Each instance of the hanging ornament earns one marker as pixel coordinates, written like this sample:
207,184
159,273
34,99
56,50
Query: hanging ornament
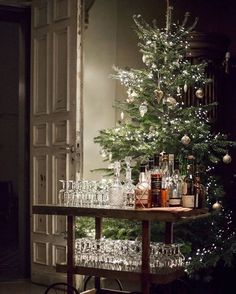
131,96
128,100
178,90
217,206
171,102
143,108
227,158
199,93
146,59
103,153
185,88
122,115
185,140
158,94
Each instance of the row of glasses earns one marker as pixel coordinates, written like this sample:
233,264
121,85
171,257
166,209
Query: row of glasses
85,193
126,255
91,193
122,255
165,257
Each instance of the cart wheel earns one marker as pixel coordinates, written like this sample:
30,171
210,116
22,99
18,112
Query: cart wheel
60,288
87,279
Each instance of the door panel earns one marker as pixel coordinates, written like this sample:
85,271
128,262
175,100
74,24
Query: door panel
55,124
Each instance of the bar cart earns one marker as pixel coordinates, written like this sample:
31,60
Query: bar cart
168,215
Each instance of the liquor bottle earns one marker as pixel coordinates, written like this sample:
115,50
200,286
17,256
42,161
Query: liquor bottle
175,198
155,187
142,195
116,190
129,187
199,192
188,197
150,169
165,184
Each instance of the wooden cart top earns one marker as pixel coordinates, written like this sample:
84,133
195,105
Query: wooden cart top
165,214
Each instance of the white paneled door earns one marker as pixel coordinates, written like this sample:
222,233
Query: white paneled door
55,124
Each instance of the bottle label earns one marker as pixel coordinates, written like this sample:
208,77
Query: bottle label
142,199
188,201
155,190
175,202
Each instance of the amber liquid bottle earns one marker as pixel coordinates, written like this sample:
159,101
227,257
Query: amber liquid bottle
165,176
155,189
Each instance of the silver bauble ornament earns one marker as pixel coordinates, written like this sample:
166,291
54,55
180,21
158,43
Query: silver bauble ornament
185,140
143,109
227,158
199,93
217,206
158,95
185,88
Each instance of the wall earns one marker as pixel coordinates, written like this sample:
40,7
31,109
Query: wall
99,91
109,40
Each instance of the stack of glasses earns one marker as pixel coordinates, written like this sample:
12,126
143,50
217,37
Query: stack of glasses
126,255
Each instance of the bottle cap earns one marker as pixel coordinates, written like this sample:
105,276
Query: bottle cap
142,167
156,159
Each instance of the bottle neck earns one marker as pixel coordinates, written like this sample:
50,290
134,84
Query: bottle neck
128,175
142,177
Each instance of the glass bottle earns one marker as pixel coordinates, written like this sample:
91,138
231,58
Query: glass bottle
176,181
199,191
165,185
155,189
142,195
116,189
129,187
188,198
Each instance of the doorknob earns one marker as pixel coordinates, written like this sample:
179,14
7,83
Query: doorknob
68,148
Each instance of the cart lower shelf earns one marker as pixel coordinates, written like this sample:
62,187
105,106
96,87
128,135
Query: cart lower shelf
159,278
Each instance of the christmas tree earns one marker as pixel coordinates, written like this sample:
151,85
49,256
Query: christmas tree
154,118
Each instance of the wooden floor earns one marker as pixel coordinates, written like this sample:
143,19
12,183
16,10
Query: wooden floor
20,287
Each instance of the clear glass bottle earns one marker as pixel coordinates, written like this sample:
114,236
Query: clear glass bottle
142,195
129,187
175,198
116,188
188,198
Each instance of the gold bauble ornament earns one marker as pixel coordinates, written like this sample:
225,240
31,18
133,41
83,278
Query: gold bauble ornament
185,140
227,158
199,93
217,206
171,102
158,95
